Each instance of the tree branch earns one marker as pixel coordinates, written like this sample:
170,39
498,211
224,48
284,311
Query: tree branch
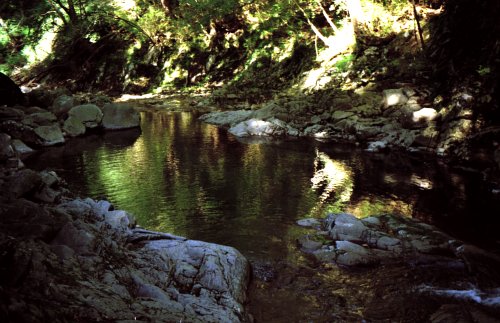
316,31
59,14
415,13
327,17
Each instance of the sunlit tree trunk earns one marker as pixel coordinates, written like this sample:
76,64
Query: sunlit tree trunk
356,14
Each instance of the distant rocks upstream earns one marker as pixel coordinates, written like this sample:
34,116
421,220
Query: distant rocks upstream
52,116
379,120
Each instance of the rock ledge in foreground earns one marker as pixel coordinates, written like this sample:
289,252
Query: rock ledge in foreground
81,261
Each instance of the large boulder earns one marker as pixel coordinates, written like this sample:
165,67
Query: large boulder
62,104
73,127
88,114
94,264
120,116
44,97
10,93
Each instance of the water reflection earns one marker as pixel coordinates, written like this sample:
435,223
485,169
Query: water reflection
333,181
196,180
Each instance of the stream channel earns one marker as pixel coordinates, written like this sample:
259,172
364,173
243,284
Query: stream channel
192,179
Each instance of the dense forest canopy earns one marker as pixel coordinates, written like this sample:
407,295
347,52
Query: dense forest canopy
147,45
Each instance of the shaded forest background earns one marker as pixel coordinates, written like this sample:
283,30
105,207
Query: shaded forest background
151,45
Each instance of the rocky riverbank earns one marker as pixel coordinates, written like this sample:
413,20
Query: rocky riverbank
415,267
51,117
69,259
378,119
66,259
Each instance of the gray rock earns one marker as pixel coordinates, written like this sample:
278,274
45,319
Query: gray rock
266,112
341,115
376,146
74,127
8,113
22,182
372,220
102,207
120,116
40,119
6,150
49,178
308,244
20,147
255,127
50,135
222,273
315,119
345,226
391,244
414,118
227,118
20,131
393,97
81,241
81,258
88,114
309,222
425,115
351,254
325,254
62,104
385,239
317,131
47,195
118,220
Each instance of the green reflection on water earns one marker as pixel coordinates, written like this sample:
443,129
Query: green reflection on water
196,180
192,179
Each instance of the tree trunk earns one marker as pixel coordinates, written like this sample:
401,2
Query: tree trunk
356,14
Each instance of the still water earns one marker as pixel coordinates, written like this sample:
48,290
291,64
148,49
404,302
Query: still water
192,179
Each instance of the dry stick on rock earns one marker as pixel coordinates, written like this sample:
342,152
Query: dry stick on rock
419,28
